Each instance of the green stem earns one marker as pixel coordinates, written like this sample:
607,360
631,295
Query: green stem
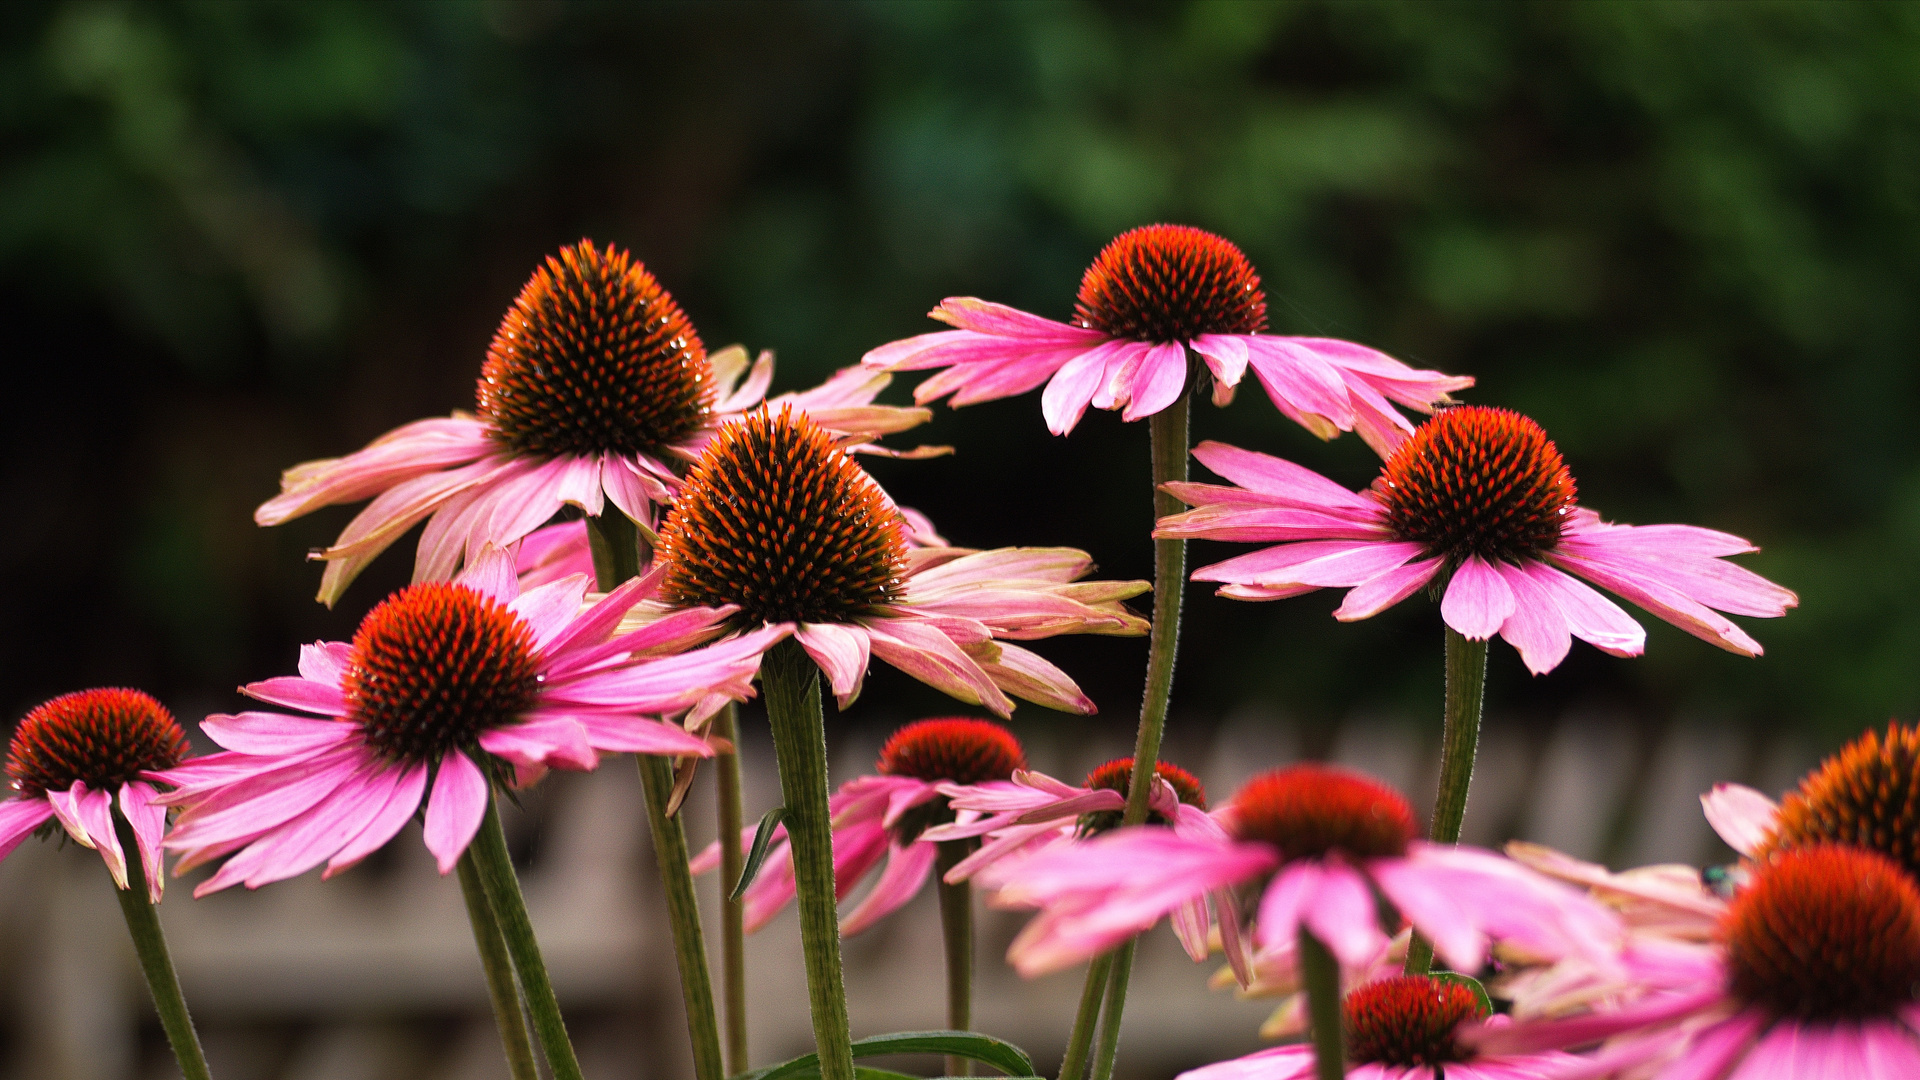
1168,429
497,879
791,683
683,911
501,988
1466,685
616,548
733,932
1079,1044
1116,1006
1320,974
150,942
956,929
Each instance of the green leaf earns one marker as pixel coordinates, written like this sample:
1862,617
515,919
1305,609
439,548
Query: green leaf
762,840
985,1049
1467,981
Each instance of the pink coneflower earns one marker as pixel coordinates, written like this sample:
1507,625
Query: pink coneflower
1480,499
1152,296
1866,795
776,520
1324,841
1815,976
448,682
595,383
883,818
1401,1028
75,757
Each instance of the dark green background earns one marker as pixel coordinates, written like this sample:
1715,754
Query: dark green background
1684,237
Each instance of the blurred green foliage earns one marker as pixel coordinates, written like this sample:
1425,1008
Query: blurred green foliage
1684,236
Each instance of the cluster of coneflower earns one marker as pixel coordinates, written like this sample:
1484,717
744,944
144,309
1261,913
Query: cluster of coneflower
628,536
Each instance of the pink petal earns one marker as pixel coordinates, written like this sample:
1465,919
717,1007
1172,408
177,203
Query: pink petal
1477,600
631,490
274,734
454,810
1369,598
558,741
1663,600
930,656
907,870
402,799
841,651
985,317
402,454
1030,677
392,513
1274,1063
299,845
754,389
579,485
326,662
548,609
1429,906
1743,817
94,809
1225,354
19,818
1536,628
1284,904
1341,914
1275,565
1065,399
1269,475
260,802
1591,617
639,735
1191,921
1300,384
327,699
1162,375
149,821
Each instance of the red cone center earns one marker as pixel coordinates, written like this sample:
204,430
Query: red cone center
1166,283
1409,1020
1479,481
103,738
1826,933
959,749
1310,810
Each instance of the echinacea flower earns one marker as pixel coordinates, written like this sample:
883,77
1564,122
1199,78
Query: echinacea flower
76,758
1401,1028
883,818
595,383
1154,295
1814,975
1480,499
777,521
441,681
1867,795
1324,841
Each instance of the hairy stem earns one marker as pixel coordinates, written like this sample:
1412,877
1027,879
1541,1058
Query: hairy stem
616,548
683,914
733,932
502,990
502,886
1116,1007
1320,973
956,929
792,686
150,942
1080,1043
1466,684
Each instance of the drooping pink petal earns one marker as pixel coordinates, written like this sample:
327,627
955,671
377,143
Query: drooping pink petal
1191,922
295,692
1073,387
1433,911
454,810
274,734
393,512
1284,903
1274,566
94,810
1743,817
906,871
1225,356
631,488
749,393
402,454
986,317
1370,598
1591,617
1162,375
149,822
402,799
578,484
1661,599
19,818
640,735
1713,582
1295,484
555,741
1031,677
931,656
1301,385
1654,1009
276,794
841,652
1341,913
1536,628
304,842
1477,600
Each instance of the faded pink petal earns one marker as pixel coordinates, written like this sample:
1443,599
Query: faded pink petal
401,454
1030,677
454,810
930,656
1477,600
841,652
1743,817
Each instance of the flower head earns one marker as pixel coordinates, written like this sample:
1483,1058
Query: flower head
889,821
1162,304
74,757
779,524
595,386
1403,1027
1866,795
1815,974
1480,500
448,682
1323,841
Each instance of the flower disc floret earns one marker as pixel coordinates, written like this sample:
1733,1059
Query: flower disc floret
1117,775
595,357
1168,283
957,749
1827,932
1409,1020
103,738
1867,795
1476,480
777,519
433,666
1311,810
